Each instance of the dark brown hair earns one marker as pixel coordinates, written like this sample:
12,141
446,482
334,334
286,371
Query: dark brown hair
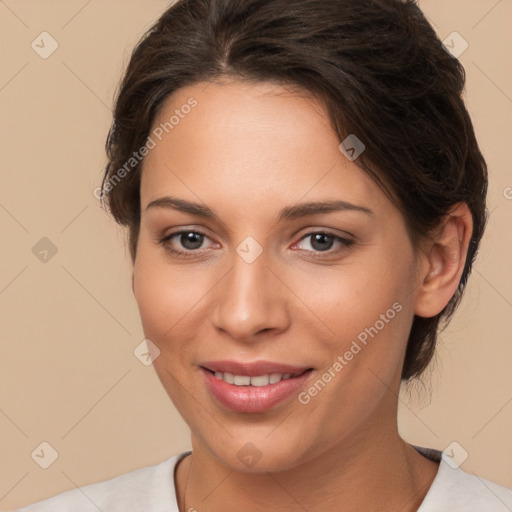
378,67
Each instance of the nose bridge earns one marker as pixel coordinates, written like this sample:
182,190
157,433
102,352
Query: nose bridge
247,302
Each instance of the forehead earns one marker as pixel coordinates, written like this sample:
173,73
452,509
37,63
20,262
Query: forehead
249,143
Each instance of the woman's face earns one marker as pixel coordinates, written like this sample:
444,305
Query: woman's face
261,286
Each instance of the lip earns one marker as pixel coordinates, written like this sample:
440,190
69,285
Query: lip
253,399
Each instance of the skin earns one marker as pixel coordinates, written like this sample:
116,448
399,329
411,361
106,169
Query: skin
246,151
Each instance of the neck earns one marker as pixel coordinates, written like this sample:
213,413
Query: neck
373,470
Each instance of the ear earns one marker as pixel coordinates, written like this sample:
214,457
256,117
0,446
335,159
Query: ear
442,261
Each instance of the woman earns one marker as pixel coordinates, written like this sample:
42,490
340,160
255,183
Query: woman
247,135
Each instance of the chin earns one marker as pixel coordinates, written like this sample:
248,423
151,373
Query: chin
258,454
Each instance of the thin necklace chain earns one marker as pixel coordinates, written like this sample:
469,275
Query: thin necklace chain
186,483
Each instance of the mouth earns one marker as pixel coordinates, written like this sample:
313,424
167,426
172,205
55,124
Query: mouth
253,387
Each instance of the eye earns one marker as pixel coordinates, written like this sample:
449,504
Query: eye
322,242
188,241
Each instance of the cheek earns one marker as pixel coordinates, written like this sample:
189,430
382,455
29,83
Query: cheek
164,294
348,299
368,314
365,311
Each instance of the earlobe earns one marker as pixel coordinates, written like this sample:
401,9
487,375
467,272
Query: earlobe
443,262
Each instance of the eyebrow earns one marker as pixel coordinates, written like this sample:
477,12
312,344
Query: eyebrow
287,213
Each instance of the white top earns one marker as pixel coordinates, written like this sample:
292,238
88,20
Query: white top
151,489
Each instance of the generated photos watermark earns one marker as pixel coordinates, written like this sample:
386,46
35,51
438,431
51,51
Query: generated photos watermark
355,348
156,136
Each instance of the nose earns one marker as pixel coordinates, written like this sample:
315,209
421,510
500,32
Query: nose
250,301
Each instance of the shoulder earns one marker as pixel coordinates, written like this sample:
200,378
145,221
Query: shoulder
455,490
150,488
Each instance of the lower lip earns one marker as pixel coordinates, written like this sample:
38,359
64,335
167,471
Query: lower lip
252,399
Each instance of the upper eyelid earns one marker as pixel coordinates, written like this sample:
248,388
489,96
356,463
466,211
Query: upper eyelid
344,240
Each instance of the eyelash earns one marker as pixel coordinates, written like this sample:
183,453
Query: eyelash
345,243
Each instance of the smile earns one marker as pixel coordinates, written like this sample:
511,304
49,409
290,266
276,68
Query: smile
257,380
253,387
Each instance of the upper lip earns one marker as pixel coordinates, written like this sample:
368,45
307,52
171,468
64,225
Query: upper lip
252,369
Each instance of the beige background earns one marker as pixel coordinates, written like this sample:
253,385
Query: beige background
68,375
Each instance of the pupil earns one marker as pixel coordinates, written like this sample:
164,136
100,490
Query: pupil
321,237
191,240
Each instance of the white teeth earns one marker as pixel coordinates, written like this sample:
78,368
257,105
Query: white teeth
275,377
257,381
241,380
260,380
